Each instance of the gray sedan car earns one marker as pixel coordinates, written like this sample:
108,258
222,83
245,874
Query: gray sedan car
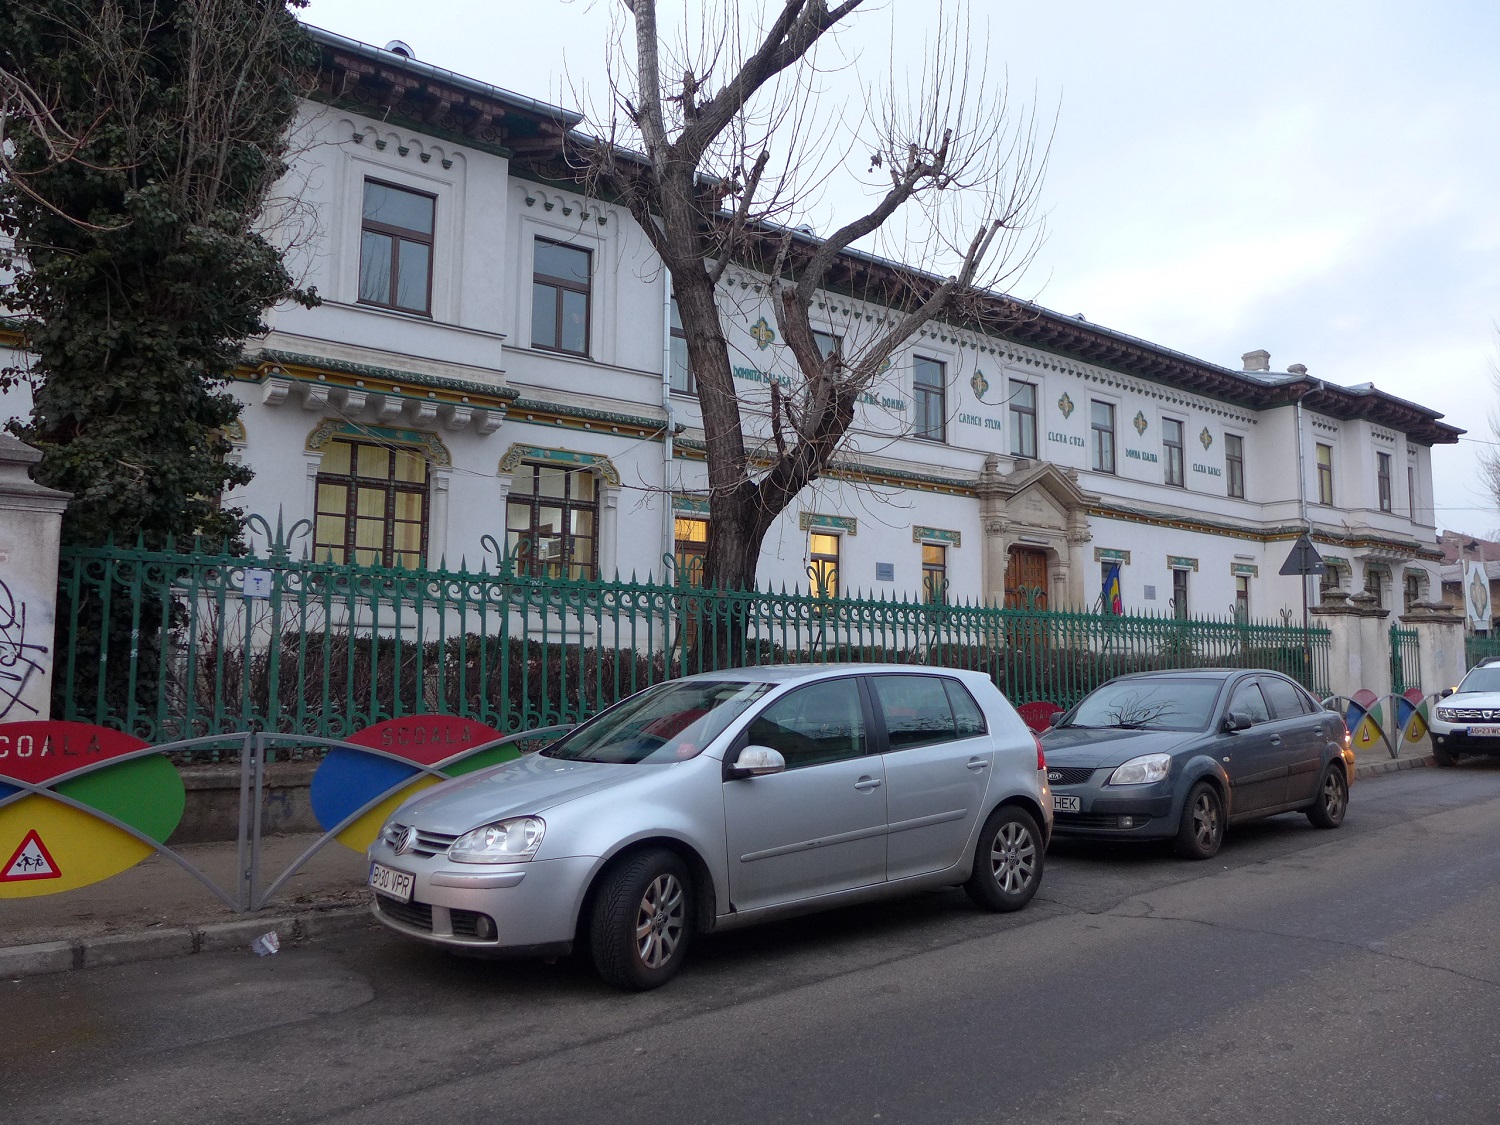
1179,755
721,800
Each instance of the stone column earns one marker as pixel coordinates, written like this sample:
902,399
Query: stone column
1345,663
30,526
1360,645
1440,644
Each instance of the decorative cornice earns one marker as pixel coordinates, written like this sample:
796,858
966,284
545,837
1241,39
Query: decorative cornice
546,413
694,449
271,363
330,428
572,458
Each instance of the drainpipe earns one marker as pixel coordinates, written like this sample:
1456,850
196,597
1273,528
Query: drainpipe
668,527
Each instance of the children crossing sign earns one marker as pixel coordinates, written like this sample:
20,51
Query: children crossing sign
31,860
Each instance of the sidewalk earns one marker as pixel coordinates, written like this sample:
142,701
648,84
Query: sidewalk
158,910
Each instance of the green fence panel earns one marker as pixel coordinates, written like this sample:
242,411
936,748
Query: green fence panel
175,644
1405,669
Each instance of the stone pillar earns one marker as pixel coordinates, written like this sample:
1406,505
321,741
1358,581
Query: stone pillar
1440,644
1360,647
30,527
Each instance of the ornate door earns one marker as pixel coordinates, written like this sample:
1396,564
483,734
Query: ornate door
1026,579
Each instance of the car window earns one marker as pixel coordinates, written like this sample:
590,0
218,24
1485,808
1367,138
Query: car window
966,713
1484,678
670,722
823,722
1248,700
1148,704
916,710
1286,701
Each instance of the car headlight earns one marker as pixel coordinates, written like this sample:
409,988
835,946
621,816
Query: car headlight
1444,713
1142,771
506,841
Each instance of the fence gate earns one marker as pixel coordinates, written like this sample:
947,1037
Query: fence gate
1405,671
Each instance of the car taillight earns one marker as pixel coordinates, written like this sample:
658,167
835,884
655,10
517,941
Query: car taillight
1041,758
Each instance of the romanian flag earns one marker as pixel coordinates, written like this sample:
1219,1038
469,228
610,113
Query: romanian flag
1112,600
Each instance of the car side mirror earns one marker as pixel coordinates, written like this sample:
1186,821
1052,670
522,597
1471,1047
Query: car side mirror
757,761
1055,718
1447,691
1236,721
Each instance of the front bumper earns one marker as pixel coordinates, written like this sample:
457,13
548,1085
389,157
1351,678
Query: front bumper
1117,812
1458,737
532,907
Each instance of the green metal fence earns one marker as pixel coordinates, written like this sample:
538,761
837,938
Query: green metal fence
175,644
1405,669
1479,646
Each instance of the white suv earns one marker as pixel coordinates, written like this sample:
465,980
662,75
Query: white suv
1467,719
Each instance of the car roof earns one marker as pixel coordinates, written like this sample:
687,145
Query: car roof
789,673
1197,673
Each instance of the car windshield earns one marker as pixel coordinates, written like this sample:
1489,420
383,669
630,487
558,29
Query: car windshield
1482,679
668,723
1148,705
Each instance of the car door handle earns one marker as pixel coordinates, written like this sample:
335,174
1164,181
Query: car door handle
867,783
977,763
1276,740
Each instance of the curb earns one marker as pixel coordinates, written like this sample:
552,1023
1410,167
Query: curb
1375,769
118,949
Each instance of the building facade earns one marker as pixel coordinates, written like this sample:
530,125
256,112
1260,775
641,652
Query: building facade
496,369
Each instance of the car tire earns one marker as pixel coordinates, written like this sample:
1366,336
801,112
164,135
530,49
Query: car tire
1008,861
642,920
1201,829
1442,755
1327,811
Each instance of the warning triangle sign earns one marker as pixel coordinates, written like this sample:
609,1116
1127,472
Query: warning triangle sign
31,860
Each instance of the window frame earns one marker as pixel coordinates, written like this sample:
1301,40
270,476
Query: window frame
527,565
397,235
1174,453
1023,420
1102,438
1411,492
1374,585
1242,598
922,395
352,482
1383,482
676,332
1411,589
564,285
1180,594
835,347
1325,472
690,555
821,566
1234,465
935,575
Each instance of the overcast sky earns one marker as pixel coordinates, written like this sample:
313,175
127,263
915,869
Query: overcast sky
1319,178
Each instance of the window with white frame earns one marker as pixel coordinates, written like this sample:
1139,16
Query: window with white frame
930,399
1171,448
560,295
395,248
1022,419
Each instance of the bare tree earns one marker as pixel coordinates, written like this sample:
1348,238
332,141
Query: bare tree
718,146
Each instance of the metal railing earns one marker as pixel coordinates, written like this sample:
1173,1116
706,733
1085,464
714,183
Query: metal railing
1406,669
178,644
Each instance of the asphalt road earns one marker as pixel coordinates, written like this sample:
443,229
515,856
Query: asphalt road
1351,976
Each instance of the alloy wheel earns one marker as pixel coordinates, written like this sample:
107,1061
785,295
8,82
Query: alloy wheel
660,920
1333,797
1013,857
1205,820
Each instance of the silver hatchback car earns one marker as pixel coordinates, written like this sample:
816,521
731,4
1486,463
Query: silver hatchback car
721,800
